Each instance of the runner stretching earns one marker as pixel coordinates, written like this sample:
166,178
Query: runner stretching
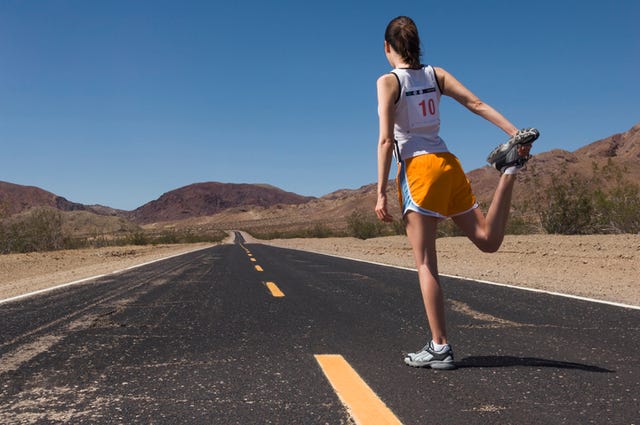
431,183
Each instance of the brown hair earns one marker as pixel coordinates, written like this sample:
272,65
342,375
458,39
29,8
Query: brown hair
402,35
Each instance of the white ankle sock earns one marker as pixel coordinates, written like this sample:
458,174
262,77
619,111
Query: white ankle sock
511,170
438,347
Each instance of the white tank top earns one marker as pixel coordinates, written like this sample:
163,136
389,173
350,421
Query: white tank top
417,119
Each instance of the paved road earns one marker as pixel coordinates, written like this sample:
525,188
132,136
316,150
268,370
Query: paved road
201,339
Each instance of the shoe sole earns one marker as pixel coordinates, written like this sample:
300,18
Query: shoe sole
439,365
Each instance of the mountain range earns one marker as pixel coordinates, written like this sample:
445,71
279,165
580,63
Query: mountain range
209,205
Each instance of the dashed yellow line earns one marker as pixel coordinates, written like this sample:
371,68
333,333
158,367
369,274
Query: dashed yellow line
275,291
273,288
364,406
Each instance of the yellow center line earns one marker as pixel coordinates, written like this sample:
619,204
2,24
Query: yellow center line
260,269
275,291
253,259
364,406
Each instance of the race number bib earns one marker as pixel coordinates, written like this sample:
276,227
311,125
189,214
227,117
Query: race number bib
423,107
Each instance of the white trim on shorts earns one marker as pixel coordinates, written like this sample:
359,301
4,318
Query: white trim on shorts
416,208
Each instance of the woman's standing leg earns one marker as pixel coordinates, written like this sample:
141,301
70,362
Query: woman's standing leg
421,231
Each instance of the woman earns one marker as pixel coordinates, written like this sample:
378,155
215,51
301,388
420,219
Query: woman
431,182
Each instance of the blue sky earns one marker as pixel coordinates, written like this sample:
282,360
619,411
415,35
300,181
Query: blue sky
116,102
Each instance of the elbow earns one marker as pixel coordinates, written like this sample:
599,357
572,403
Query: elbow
385,147
386,143
476,106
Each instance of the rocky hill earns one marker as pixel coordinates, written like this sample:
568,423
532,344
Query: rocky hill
205,199
15,198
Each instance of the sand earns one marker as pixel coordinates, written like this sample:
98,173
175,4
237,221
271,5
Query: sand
604,267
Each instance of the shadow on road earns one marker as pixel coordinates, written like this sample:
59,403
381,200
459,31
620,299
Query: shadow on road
510,361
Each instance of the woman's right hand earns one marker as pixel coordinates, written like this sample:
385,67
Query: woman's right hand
381,209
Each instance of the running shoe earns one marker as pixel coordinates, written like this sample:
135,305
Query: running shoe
429,357
506,155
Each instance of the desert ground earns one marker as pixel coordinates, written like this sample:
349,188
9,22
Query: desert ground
604,267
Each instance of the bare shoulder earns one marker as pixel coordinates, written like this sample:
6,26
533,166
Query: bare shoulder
441,75
448,83
387,80
439,70
388,88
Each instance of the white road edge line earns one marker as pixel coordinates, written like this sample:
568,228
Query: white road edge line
86,279
488,282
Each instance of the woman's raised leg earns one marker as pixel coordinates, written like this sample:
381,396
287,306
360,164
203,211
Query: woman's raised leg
487,232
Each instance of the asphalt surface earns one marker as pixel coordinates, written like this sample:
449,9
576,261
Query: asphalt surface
200,339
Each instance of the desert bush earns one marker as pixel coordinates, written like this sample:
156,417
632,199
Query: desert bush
38,230
187,236
363,226
320,231
619,210
169,237
42,230
315,231
3,238
520,225
577,204
138,238
398,227
569,209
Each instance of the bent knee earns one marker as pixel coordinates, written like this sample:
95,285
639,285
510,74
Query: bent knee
487,246
489,249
